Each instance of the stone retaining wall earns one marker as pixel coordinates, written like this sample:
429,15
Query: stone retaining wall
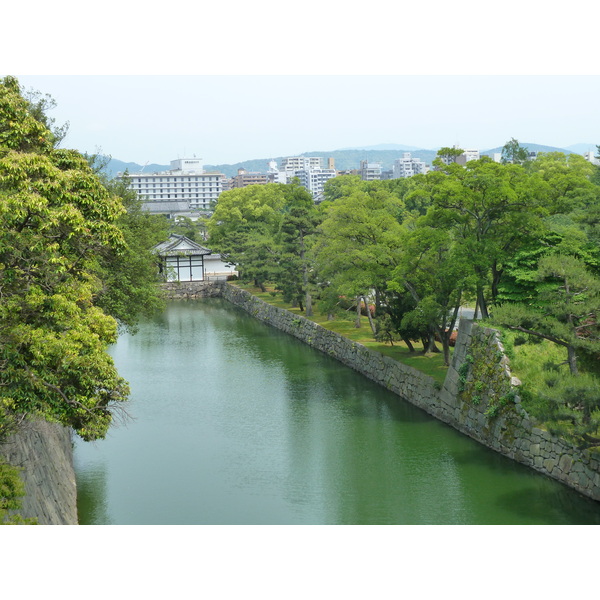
44,451
479,397
192,290
400,379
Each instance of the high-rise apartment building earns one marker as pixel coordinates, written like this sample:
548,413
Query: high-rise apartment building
407,166
296,163
314,180
370,171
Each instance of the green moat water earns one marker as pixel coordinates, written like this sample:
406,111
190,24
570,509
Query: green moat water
234,422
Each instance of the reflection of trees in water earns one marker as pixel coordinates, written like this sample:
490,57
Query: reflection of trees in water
92,503
551,504
337,447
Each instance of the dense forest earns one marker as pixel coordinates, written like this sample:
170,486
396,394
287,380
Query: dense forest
518,240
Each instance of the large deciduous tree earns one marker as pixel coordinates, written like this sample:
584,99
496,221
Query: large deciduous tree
243,227
357,242
56,220
436,273
492,209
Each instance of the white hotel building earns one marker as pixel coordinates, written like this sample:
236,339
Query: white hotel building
184,188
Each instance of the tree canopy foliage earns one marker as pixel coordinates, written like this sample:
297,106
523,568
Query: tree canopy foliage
71,265
519,239
514,153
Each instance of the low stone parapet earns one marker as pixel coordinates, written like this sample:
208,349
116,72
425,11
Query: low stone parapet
193,290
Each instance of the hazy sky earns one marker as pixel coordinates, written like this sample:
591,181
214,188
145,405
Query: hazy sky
228,118
232,81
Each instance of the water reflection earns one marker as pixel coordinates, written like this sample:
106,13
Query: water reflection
237,423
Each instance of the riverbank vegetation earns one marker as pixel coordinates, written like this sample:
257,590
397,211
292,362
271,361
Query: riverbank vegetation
518,240
431,364
75,263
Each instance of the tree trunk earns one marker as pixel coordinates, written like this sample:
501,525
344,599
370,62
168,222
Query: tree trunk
481,302
371,323
409,345
496,276
429,345
309,310
446,350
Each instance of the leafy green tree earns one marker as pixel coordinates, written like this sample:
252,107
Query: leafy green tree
193,229
492,211
447,155
293,265
571,407
130,276
340,186
243,228
39,106
12,490
436,273
567,181
391,322
56,218
596,174
357,243
564,311
513,153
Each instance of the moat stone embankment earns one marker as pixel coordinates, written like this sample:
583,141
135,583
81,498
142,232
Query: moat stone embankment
44,452
479,397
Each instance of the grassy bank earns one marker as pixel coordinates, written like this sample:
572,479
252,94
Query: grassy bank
431,364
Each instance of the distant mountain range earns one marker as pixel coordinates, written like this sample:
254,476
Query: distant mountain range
398,147
345,158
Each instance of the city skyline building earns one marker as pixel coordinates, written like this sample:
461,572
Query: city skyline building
370,171
185,188
407,166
